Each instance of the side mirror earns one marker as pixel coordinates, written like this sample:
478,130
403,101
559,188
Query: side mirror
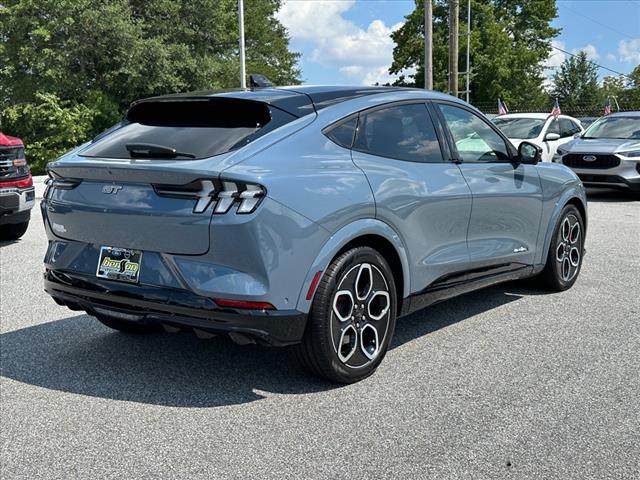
551,136
529,154
577,135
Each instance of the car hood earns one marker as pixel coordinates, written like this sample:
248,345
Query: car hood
601,145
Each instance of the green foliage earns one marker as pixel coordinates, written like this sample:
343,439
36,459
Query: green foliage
94,57
575,84
51,125
510,39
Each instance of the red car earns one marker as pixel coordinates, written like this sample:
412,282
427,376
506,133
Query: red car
17,195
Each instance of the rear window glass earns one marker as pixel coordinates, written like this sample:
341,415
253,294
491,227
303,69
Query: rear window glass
197,128
343,134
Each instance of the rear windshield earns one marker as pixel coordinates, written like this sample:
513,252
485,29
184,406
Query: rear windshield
191,128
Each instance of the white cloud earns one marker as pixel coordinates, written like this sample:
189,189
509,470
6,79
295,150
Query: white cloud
590,50
629,50
611,57
555,59
362,55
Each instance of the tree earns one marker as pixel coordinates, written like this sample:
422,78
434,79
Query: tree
575,84
101,55
510,40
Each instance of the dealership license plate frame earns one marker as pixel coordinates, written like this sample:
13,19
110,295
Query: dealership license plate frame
120,264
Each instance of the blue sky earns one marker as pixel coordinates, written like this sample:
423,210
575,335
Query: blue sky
347,41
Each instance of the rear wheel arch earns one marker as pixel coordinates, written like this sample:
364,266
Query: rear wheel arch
388,251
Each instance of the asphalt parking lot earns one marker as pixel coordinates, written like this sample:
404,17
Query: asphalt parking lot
508,382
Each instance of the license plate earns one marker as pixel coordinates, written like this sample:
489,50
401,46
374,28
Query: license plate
120,264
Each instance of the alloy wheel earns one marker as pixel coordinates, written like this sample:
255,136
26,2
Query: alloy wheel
360,313
569,248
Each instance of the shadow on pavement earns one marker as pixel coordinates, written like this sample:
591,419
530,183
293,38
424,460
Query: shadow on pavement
607,195
80,355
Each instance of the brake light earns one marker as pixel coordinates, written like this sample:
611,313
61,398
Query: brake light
22,183
225,302
223,194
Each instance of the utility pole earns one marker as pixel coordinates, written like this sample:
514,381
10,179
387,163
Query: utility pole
428,44
454,12
243,79
467,84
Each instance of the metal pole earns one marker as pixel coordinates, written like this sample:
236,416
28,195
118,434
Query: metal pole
243,80
468,48
454,12
428,44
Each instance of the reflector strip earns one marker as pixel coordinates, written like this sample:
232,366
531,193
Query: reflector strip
225,302
314,284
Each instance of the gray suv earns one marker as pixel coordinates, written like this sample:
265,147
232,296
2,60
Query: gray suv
310,217
607,154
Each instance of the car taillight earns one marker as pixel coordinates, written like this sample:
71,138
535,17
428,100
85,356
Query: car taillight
223,194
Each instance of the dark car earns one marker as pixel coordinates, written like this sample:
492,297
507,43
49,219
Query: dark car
17,195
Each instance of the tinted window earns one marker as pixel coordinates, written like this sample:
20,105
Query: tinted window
198,128
519,127
475,140
404,132
554,127
567,127
342,134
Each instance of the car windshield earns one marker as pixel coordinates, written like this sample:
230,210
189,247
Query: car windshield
519,127
615,127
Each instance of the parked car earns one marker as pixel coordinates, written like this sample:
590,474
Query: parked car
306,216
608,152
540,129
17,195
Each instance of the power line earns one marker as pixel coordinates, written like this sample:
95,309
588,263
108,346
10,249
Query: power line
598,22
592,63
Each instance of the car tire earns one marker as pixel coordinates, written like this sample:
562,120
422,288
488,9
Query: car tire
566,251
13,231
127,326
352,318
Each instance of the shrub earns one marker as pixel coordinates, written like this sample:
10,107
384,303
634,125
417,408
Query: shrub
48,127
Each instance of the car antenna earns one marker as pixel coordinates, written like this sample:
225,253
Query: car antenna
259,81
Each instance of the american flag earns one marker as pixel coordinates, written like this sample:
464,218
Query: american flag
502,108
555,111
607,106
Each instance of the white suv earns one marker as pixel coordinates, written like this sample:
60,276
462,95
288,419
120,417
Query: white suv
539,128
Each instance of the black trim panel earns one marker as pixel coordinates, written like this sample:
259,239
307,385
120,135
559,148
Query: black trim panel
173,306
465,283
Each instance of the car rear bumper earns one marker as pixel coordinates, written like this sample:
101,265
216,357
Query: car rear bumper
172,307
15,204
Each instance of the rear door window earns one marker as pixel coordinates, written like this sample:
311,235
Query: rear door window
191,128
403,132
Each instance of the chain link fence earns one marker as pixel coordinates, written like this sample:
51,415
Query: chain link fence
578,111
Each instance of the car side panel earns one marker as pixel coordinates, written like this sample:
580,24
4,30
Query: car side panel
507,204
430,205
313,176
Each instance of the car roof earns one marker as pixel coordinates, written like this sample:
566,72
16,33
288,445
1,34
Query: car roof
536,115
299,100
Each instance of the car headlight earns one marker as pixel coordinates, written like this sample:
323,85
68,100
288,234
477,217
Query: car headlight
631,154
222,193
561,151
